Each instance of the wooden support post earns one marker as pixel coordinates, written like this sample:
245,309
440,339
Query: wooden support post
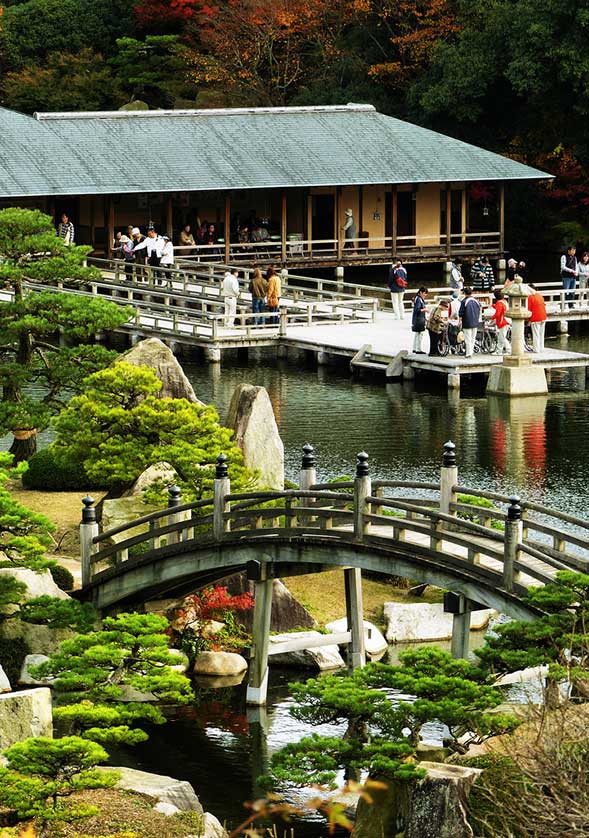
395,219
513,537
174,500
361,244
257,688
283,227
88,531
170,218
222,487
448,478
448,220
110,233
502,218
355,617
338,215
227,228
461,631
362,490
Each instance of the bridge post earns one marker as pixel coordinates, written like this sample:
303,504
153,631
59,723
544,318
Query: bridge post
174,500
222,487
513,536
460,628
308,473
257,687
355,617
448,478
88,531
362,490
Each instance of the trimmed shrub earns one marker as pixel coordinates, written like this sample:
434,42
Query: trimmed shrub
62,577
51,474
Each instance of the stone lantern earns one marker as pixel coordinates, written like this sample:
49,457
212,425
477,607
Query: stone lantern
517,375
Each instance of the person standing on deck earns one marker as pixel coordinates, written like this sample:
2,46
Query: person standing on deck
569,268
537,321
456,279
397,282
418,320
501,323
435,326
583,269
259,289
65,230
230,294
470,315
453,318
273,295
349,230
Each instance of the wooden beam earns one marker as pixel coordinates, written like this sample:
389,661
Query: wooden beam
502,218
361,215
395,218
169,217
227,228
338,215
298,645
283,226
110,234
355,617
257,687
448,219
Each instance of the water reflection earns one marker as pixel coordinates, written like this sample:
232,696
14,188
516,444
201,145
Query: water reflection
518,438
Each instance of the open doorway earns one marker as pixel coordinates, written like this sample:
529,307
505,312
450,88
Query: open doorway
323,219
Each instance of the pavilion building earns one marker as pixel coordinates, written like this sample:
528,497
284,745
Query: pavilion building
414,193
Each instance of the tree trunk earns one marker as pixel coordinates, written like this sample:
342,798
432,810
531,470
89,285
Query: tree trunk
23,449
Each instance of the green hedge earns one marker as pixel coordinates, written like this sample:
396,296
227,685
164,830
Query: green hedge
47,473
62,577
12,655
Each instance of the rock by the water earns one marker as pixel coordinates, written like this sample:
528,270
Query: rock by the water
287,611
153,353
374,642
219,663
4,682
434,807
319,657
219,682
159,788
25,677
37,583
522,676
157,473
182,665
256,433
421,621
211,827
43,639
24,714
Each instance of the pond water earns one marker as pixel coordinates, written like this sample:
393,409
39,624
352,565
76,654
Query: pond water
537,447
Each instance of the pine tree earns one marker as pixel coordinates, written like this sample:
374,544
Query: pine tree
30,323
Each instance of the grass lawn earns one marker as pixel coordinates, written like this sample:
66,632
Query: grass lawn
322,594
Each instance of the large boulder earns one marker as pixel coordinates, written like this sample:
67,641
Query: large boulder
118,511
434,807
421,621
43,639
36,582
256,433
153,353
159,788
318,657
24,714
374,643
287,611
157,473
219,663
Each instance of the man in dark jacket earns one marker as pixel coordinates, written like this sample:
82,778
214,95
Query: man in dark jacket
470,315
418,320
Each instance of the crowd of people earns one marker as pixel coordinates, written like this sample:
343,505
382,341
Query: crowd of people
137,250
461,315
265,290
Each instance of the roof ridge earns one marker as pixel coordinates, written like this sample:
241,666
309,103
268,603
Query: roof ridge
350,107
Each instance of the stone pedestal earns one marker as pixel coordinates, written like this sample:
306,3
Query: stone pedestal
515,377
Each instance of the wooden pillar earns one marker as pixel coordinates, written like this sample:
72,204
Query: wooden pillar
395,219
355,617
88,531
257,688
169,218
110,234
227,228
283,227
361,216
502,218
448,219
338,215
463,213
461,631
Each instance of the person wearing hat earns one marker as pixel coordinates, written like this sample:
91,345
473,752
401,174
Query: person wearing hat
124,250
456,279
153,245
435,326
453,318
167,260
349,230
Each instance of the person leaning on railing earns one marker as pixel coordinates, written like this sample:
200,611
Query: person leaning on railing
273,294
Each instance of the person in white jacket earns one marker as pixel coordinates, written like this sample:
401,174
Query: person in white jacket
153,244
230,293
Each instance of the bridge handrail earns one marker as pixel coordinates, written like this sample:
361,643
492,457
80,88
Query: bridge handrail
288,493
436,515
546,557
525,504
152,516
405,484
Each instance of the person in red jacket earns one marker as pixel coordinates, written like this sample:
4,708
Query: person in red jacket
501,322
537,306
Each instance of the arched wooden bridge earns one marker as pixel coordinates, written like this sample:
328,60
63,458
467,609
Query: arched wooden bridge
433,532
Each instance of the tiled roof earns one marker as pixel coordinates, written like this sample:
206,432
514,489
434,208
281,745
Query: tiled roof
168,151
